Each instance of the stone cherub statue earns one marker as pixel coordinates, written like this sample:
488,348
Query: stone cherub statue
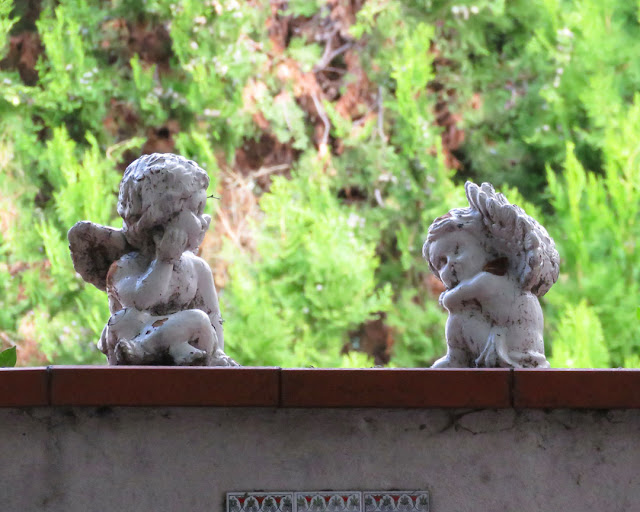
163,302
495,261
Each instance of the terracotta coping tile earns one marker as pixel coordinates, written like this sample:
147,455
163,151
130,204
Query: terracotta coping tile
23,387
164,386
396,388
573,388
273,387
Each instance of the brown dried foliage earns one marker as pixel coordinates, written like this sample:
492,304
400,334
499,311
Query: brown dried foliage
375,338
122,39
24,50
122,121
237,208
161,140
452,135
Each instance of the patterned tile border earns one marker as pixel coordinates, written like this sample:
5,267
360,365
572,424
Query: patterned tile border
396,501
328,501
260,502
325,501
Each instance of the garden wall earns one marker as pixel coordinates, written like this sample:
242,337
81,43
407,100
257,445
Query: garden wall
97,438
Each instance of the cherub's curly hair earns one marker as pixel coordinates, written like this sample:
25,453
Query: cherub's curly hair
530,250
171,177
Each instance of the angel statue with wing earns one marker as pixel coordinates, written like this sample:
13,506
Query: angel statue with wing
495,261
163,302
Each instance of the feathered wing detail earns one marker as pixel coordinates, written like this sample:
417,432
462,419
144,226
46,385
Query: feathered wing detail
94,248
529,245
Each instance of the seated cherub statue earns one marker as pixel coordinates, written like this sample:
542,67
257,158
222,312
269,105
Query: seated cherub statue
163,302
495,262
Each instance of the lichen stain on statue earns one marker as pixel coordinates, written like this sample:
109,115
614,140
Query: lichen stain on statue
162,298
495,261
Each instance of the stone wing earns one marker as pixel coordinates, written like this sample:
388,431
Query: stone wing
94,248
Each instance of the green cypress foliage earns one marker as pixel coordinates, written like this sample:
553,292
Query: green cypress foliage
334,133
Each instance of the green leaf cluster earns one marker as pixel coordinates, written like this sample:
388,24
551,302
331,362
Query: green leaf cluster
314,280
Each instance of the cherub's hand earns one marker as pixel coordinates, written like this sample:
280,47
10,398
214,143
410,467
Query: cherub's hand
453,298
171,245
449,299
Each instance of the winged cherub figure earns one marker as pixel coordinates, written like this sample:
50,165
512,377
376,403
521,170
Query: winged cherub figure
163,302
495,261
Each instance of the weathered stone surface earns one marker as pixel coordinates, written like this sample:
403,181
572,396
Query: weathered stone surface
495,261
168,459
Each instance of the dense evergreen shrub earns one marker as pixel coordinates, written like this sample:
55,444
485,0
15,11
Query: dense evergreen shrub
334,132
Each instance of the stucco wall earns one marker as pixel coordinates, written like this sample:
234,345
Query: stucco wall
186,459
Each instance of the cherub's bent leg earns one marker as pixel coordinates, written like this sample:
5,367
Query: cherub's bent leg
102,342
185,354
107,346
188,335
519,350
128,352
529,359
121,332
456,357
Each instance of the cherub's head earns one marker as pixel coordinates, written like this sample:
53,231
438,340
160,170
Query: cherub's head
491,235
159,189
456,247
455,254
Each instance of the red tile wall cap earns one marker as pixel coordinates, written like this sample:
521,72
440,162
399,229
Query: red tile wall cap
273,387
23,387
164,386
577,388
477,388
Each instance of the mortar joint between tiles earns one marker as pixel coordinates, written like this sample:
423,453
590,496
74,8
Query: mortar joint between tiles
512,380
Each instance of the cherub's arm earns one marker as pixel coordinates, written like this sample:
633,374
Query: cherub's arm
207,299
141,291
144,289
482,286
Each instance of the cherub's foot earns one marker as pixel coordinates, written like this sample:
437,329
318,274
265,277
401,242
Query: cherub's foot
185,354
219,358
128,352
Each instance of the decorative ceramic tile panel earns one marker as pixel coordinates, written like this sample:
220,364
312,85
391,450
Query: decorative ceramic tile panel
396,501
323,501
260,502
329,501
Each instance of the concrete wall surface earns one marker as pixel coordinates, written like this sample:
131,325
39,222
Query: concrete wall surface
186,459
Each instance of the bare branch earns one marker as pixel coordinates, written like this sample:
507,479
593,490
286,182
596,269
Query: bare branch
330,55
327,51
264,171
378,196
323,116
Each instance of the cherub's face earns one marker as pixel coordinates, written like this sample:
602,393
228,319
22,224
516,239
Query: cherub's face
457,256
